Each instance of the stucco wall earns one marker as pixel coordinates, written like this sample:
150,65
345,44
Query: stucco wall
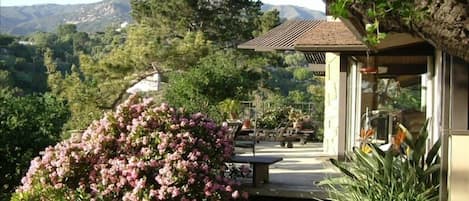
458,169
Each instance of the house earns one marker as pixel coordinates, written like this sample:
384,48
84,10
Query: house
363,83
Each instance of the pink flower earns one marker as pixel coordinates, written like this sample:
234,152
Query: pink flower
138,153
235,194
245,195
175,192
228,188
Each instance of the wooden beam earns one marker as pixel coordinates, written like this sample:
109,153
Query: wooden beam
419,49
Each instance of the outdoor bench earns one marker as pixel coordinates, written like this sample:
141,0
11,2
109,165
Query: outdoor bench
260,166
293,134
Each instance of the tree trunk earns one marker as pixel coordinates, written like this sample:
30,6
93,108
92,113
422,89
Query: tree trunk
446,24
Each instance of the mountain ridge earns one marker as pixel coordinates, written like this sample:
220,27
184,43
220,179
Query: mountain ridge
93,17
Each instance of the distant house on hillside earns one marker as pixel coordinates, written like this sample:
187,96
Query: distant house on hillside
150,83
23,42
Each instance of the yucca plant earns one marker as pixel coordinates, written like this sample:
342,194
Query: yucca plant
405,172
230,108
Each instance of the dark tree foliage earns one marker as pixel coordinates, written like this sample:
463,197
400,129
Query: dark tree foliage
27,125
6,40
20,66
267,21
225,22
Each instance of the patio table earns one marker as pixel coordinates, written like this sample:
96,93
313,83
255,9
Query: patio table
260,166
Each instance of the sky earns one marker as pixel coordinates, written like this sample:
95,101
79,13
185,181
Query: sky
311,4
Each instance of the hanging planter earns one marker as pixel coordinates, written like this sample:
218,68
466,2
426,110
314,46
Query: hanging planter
369,70
369,67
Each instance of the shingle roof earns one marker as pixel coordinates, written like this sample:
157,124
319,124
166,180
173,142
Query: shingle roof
312,37
329,36
282,37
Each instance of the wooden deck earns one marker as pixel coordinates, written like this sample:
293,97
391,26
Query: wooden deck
297,175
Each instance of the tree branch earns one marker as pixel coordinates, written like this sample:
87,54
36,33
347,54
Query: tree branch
116,101
445,25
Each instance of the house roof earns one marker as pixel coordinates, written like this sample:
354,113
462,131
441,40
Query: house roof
312,37
307,36
282,37
329,37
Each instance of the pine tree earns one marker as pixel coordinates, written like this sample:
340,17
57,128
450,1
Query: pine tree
224,22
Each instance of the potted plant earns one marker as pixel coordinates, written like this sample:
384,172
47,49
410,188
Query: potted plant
295,117
230,108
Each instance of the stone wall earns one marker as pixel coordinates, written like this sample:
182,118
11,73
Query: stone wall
331,101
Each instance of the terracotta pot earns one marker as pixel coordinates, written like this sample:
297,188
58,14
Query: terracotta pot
297,124
246,124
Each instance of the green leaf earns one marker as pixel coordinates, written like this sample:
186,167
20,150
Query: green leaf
378,150
433,152
377,155
365,159
343,169
388,165
432,169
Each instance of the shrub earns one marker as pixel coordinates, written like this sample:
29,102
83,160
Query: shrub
28,124
139,152
404,172
273,117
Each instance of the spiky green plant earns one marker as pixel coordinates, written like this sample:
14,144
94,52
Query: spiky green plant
405,172
230,108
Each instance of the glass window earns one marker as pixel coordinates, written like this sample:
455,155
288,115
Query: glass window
393,93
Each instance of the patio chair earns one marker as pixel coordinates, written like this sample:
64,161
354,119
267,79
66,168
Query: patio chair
235,128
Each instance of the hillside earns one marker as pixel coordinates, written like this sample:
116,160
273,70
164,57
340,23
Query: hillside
23,20
295,12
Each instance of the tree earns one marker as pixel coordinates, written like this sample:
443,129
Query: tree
83,97
80,42
5,40
43,40
66,30
225,22
302,74
217,77
186,52
267,21
27,125
441,23
22,67
296,60
54,76
140,57
6,81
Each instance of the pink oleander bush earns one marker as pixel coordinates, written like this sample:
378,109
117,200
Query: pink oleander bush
139,152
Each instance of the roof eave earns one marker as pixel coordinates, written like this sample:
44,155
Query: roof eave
331,48
391,40
265,49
